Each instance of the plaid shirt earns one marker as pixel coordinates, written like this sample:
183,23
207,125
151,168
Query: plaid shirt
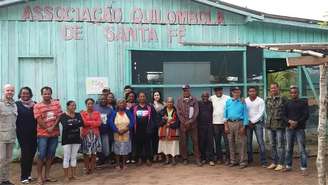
183,109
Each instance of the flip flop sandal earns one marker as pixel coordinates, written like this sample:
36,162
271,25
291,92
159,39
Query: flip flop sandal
50,180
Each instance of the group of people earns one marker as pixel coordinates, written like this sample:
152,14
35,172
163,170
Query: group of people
138,131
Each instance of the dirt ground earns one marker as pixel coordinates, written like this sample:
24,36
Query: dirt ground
159,174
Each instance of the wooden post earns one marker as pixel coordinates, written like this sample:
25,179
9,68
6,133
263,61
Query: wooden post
322,134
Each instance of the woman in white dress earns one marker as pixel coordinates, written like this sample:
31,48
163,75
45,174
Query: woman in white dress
169,132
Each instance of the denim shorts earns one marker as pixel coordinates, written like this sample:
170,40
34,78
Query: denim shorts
47,147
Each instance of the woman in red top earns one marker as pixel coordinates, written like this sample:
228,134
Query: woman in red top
90,135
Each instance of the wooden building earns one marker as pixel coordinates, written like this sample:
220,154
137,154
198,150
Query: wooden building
75,46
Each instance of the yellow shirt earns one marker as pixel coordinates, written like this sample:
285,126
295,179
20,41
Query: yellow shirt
121,121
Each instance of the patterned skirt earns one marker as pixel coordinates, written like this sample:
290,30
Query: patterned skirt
91,144
122,148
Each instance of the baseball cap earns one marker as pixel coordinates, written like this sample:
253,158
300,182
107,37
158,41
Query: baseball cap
186,86
234,88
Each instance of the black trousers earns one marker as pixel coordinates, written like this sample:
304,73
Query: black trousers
28,147
206,142
218,135
154,142
143,146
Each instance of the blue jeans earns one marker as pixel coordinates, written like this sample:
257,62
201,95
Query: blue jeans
105,145
47,147
258,129
277,141
299,136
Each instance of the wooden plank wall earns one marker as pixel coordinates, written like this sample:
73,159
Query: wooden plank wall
95,56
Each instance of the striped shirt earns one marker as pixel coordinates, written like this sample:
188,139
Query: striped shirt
48,113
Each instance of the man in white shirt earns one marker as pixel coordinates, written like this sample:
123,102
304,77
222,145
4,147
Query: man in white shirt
218,101
256,109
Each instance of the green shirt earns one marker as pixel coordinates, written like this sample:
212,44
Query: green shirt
274,112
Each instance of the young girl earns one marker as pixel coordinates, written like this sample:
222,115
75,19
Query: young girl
158,104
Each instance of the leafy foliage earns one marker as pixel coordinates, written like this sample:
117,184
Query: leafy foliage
285,79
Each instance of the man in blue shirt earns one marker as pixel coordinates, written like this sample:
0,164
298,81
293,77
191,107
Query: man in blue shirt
236,119
106,134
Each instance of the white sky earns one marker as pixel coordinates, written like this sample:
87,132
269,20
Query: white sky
314,9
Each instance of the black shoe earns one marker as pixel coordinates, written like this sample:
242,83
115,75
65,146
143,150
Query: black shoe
199,163
100,163
148,162
166,162
7,183
174,162
232,164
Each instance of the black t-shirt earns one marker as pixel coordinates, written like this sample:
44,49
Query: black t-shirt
205,115
71,128
142,119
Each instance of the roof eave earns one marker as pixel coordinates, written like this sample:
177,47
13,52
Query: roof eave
10,2
293,23
230,9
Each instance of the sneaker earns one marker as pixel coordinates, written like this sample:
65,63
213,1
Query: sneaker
203,162
31,179
279,167
185,162
272,166
26,181
227,163
264,165
287,169
133,161
242,166
212,163
198,163
128,162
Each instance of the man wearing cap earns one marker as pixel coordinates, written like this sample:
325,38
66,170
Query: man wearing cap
218,101
8,116
236,116
187,109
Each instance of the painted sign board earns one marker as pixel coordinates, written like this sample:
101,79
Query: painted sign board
95,85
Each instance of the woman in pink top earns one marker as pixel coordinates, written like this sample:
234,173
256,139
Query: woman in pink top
90,135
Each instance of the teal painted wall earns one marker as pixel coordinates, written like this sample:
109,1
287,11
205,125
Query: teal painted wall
70,62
